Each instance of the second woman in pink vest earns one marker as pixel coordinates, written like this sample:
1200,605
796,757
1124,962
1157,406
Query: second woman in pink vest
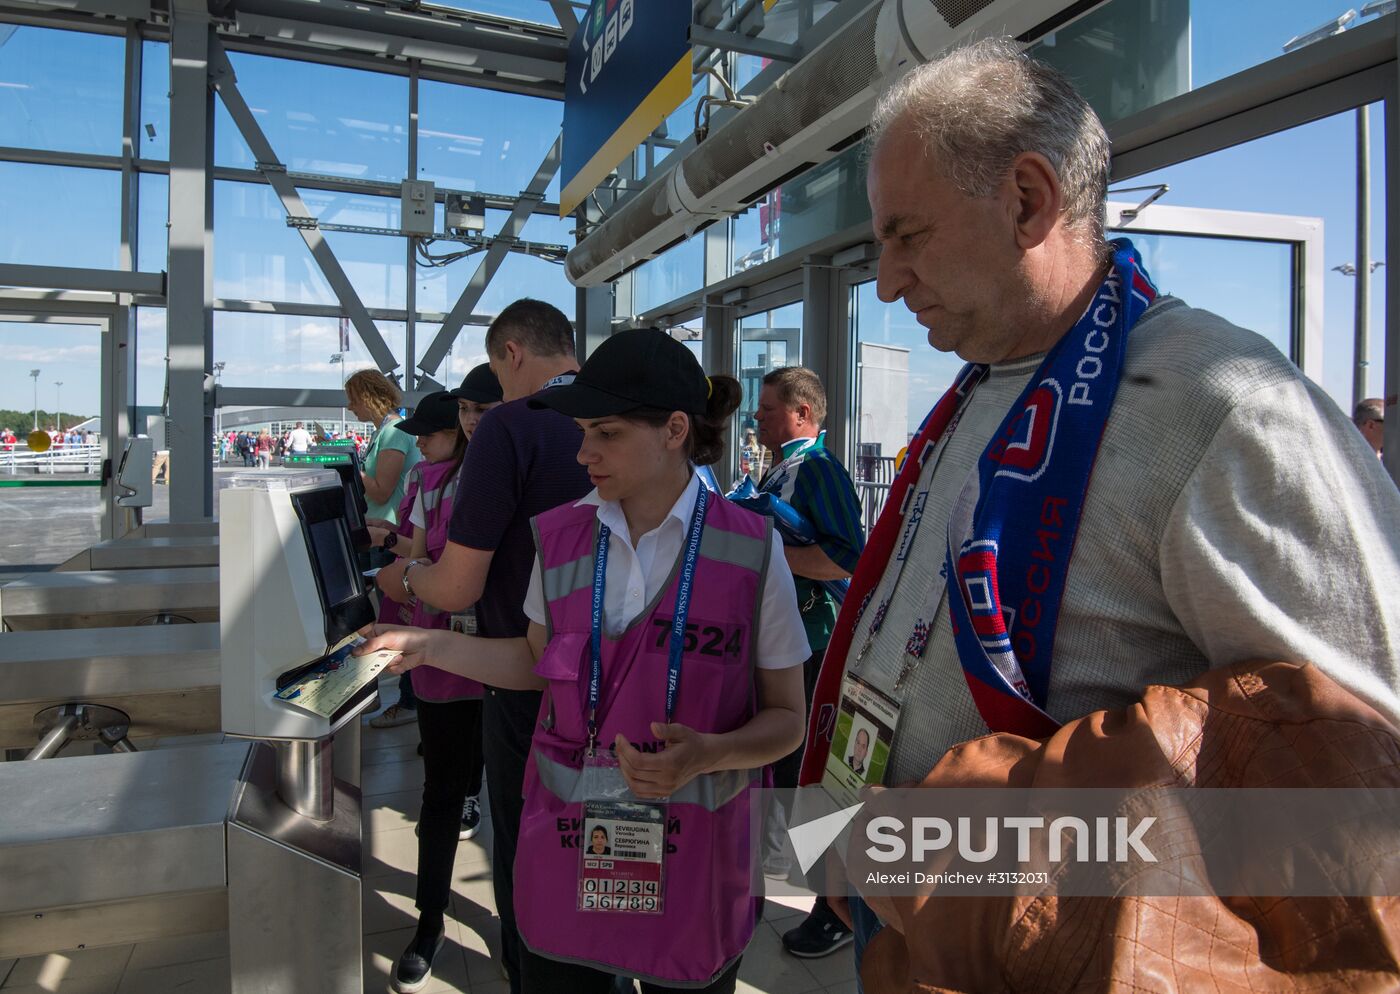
664,625
449,706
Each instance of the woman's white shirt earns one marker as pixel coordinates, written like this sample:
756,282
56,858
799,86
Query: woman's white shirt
636,574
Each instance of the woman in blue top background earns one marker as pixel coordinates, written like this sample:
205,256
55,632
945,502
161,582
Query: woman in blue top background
371,396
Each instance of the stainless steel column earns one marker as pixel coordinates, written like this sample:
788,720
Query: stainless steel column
346,753
190,293
293,882
305,781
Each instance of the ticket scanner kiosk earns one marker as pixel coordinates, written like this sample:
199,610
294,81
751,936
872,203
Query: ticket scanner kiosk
290,591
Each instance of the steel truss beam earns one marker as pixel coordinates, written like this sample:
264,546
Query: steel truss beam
225,84
68,278
304,181
131,10
190,263
80,16
376,43
495,255
568,20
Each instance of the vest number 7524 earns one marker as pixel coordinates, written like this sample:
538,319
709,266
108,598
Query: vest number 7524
708,640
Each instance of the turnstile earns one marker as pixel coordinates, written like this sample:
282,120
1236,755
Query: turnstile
110,850
147,553
165,678
110,598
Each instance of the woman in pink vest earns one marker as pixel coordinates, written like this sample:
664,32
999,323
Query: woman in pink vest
449,706
664,625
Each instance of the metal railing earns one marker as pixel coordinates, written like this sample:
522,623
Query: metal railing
59,459
872,501
874,475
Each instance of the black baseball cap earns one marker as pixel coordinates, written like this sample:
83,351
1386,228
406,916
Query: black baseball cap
479,386
435,412
629,370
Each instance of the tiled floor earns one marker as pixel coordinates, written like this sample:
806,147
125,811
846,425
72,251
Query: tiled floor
391,783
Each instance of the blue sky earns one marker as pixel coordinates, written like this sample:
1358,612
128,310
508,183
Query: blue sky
61,91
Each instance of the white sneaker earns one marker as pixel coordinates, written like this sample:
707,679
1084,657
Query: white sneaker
393,716
471,819
776,866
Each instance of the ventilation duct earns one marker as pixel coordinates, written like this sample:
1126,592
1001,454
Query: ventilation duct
808,115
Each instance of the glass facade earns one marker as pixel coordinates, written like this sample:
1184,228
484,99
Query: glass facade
326,120
1251,282
60,216
1129,55
768,340
61,93
674,273
61,90
155,101
484,140
290,350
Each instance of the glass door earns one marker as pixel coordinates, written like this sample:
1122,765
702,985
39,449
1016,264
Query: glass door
55,436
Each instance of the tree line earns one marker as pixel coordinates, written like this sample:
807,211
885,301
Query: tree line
22,422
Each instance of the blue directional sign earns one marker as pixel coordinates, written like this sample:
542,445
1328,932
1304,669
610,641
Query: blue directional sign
629,67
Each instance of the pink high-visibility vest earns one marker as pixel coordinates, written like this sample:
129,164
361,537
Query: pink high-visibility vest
391,612
711,865
439,487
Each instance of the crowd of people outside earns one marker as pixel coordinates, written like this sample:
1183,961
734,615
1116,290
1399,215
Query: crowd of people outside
58,438
260,448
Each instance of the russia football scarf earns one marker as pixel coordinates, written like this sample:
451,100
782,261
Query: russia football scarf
1049,439
1012,530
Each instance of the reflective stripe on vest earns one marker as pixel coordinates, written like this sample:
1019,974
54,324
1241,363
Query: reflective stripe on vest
710,791
566,578
443,494
716,545
735,549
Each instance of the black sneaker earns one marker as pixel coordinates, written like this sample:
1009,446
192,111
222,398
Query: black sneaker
818,935
415,966
471,819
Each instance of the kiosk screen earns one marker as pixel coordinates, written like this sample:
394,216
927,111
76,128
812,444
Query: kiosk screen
344,602
345,460
331,553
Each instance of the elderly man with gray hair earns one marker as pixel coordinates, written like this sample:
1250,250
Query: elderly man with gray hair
1369,418
1126,490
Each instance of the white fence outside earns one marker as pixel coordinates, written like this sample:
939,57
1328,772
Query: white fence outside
76,459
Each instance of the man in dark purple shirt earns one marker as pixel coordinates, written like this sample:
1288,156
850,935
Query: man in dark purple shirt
520,463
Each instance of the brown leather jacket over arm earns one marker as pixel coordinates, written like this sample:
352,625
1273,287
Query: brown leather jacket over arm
1248,725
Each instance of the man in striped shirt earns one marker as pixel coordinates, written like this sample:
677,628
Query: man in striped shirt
806,475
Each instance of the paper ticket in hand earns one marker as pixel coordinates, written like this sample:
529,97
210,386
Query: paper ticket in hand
325,686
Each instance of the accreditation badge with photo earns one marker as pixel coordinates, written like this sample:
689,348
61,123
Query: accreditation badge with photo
861,740
622,844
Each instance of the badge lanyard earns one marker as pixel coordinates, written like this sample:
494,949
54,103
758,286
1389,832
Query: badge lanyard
916,500
677,647
628,874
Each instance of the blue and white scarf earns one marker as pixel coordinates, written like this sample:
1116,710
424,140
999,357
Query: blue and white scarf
1012,530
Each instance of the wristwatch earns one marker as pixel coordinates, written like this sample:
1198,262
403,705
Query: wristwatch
391,540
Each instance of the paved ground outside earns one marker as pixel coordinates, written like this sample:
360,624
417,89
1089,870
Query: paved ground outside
43,526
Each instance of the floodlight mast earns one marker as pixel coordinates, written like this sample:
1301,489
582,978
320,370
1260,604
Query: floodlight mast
1363,267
